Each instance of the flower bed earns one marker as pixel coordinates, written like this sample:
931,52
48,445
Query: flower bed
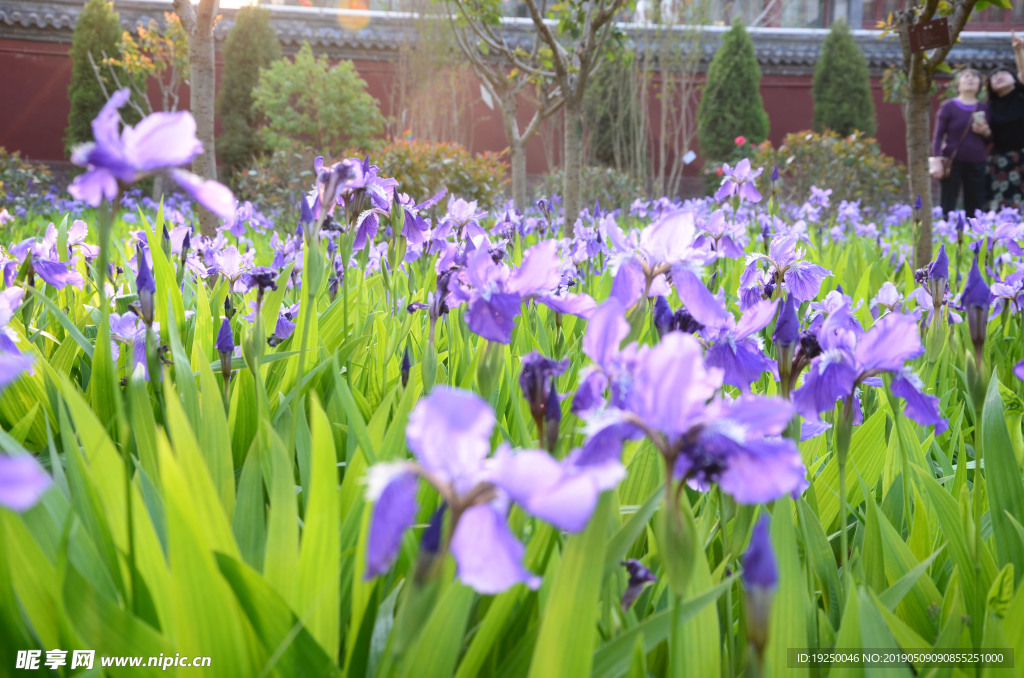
401,434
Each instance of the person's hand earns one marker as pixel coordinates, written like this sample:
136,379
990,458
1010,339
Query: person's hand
981,128
1016,41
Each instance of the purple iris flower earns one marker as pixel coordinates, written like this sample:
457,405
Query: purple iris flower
331,181
723,237
835,300
225,339
58,274
43,261
161,142
760,581
449,434
739,181
976,299
933,292
22,480
736,349
639,578
666,393
666,245
787,327
77,233
820,196
245,215
464,218
1009,293
1018,370
630,282
495,292
938,274
226,349
787,267
888,299
145,285
233,265
415,228
130,330
10,301
795,348
367,225
380,190
666,320
284,328
760,569
260,277
850,357
537,376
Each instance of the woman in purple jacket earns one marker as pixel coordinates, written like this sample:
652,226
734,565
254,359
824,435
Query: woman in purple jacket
961,133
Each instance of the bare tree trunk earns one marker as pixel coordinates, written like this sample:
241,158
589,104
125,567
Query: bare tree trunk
573,162
158,188
199,26
517,160
516,148
918,150
920,68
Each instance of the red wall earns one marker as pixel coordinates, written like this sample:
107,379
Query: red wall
790,109
34,108
34,78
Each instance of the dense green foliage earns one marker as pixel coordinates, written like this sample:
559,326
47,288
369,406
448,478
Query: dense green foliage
98,33
249,514
423,168
20,180
842,85
605,185
308,100
852,166
731,104
275,179
251,45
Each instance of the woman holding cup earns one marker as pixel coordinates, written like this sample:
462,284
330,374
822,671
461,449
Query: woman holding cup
959,148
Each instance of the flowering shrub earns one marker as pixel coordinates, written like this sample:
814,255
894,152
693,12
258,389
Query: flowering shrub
852,166
423,168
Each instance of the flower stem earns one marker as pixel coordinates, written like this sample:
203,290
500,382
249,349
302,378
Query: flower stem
842,444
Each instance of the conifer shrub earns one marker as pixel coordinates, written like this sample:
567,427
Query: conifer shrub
853,166
731,104
251,45
842,86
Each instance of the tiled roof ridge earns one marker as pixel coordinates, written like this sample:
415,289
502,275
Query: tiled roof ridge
781,51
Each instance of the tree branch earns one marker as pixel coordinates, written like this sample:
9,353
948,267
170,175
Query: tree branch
959,19
185,12
539,116
558,52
